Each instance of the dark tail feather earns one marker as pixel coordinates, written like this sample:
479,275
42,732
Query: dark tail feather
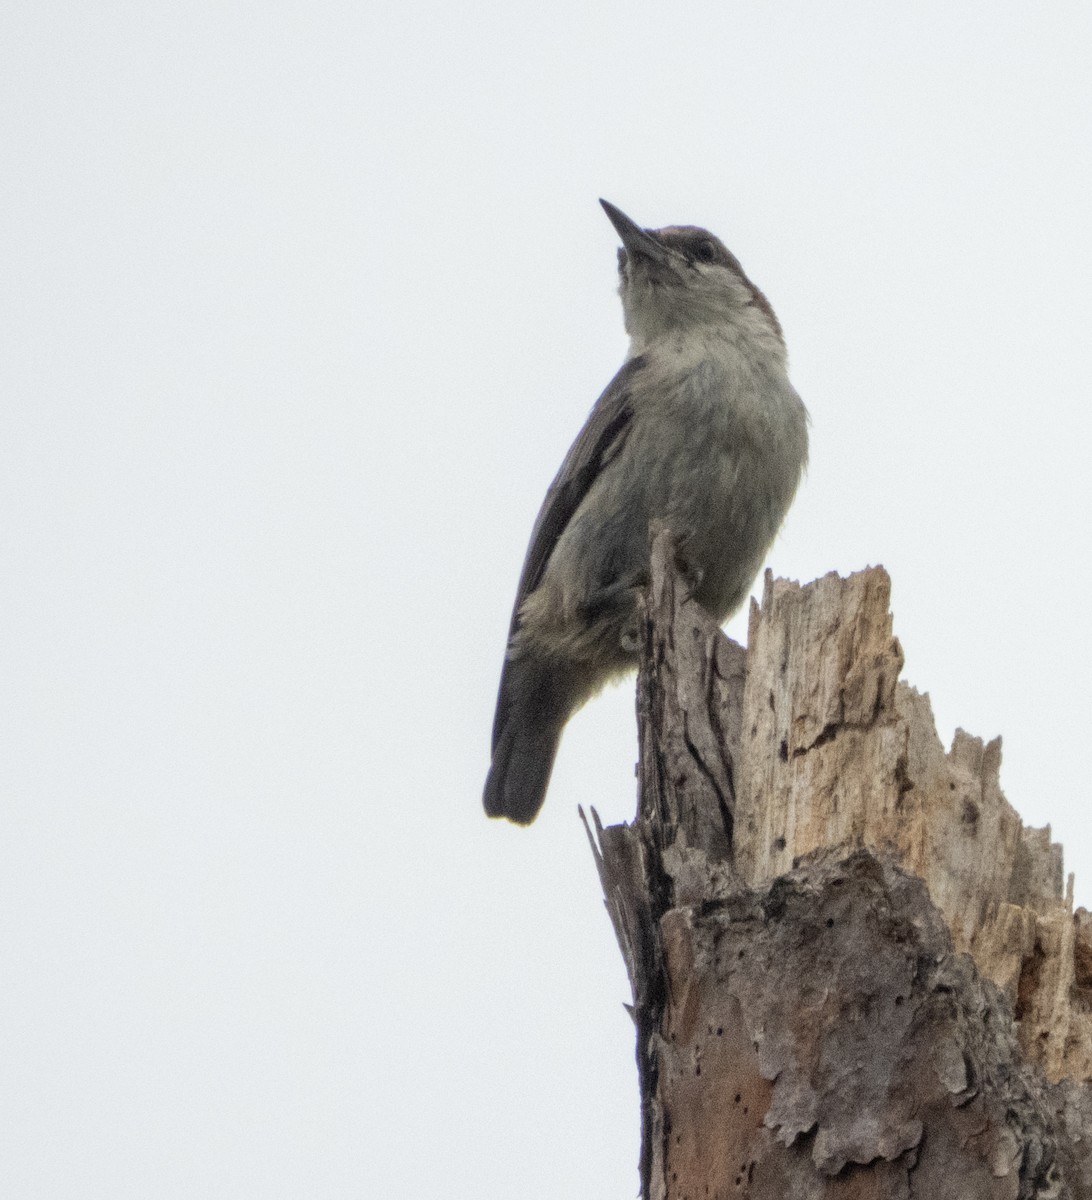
516,784
532,709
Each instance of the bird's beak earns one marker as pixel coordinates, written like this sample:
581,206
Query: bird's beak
636,240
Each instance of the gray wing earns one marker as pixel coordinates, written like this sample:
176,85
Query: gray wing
597,443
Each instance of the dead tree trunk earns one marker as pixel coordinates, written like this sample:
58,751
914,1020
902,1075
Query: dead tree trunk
855,973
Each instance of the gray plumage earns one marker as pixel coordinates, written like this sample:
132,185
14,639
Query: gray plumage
700,429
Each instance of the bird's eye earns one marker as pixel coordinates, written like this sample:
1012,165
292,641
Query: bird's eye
706,250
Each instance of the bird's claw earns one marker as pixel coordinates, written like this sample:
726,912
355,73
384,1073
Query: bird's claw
689,572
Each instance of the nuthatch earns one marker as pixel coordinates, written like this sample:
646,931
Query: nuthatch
700,430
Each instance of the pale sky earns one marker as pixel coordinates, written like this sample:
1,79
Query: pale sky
301,306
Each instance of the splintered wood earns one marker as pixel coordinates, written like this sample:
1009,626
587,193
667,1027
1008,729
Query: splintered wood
855,973
838,751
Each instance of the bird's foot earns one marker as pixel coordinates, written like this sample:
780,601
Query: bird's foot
690,573
630,639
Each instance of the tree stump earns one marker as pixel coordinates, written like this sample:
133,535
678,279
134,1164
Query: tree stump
855,973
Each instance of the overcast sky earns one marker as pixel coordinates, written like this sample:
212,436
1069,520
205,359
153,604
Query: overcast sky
301,306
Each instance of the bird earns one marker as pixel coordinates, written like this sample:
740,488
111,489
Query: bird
699,430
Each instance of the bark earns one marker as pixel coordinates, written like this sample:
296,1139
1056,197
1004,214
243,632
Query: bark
855,973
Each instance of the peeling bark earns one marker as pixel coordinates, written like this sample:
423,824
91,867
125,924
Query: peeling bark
854,972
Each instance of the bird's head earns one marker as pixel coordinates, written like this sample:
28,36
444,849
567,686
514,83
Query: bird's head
683,278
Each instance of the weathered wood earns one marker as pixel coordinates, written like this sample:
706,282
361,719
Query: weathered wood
830,923
842,754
